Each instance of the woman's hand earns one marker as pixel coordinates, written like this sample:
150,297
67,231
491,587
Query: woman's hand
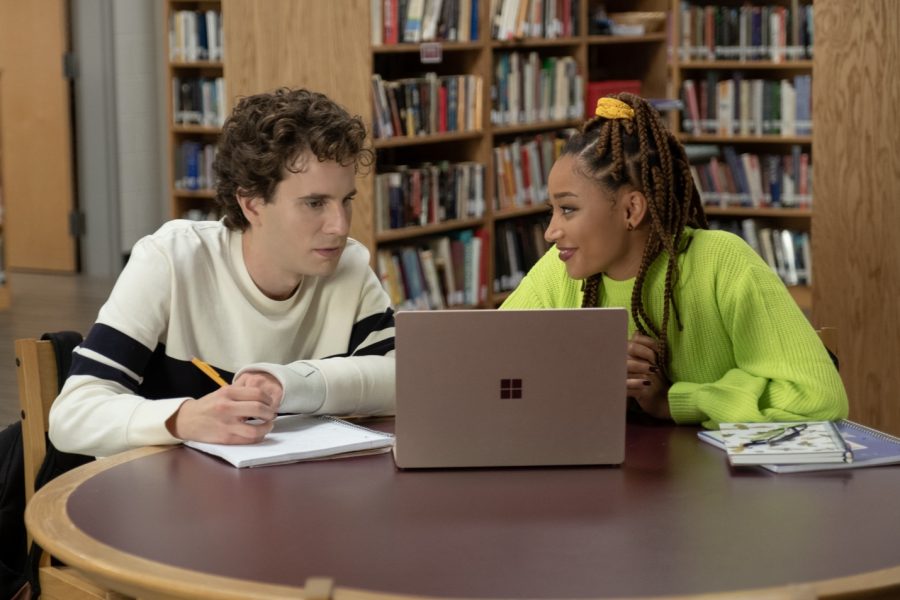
645,382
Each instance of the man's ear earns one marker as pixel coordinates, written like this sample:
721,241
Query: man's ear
636,207
250,206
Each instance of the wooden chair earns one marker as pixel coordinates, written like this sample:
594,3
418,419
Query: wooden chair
829,337
38,386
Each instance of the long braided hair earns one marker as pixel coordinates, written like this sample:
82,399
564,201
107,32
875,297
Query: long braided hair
641,152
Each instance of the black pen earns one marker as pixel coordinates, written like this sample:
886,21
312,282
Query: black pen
776,436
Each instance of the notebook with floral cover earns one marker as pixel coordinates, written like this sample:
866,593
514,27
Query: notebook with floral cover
784,443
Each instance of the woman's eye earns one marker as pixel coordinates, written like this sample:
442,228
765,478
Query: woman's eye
566,210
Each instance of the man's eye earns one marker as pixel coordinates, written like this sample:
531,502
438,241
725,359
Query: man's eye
348,200
315,203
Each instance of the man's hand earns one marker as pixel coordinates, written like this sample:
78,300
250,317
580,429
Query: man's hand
223,417
645,382
261,380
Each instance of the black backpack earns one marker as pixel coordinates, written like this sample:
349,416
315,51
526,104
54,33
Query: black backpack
18,566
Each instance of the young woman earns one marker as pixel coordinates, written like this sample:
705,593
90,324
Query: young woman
715,335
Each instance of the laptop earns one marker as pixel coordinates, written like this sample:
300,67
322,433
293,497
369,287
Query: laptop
492,388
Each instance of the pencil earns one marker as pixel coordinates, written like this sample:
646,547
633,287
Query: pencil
210,372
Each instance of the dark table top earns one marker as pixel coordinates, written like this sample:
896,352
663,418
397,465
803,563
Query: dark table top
674,519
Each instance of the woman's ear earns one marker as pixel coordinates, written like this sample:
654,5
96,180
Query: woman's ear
635,205
249,206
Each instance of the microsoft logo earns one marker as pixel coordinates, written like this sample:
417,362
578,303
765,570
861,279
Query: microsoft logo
510,388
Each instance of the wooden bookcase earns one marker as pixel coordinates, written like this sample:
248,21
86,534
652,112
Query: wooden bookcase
194,200
687,65
327,47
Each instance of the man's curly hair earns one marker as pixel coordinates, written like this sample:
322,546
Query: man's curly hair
265,134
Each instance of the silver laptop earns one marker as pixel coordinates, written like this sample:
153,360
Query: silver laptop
485,388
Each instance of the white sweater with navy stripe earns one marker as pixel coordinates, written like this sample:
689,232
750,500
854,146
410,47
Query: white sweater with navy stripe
186,292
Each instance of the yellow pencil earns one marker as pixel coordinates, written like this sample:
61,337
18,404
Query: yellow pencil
209,371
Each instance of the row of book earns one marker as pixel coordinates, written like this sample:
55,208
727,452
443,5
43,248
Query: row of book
518,19
775,33
195,35
198,101
414,21
530,89
518,244
786,251
193,166
522,167
748,106
440,272
749,179
430,193
426,105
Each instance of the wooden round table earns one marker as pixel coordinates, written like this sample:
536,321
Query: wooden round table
673,521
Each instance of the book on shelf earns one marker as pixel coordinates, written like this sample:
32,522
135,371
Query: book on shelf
195,35
414,21
297,438
740,106
438,272
870,447
786,443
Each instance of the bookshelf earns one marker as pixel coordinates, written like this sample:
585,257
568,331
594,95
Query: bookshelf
747,121
336,55
197,103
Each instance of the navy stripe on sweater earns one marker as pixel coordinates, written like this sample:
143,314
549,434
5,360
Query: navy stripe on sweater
364,328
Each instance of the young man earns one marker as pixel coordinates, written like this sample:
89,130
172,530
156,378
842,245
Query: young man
275,296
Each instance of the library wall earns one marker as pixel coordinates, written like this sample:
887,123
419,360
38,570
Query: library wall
856,227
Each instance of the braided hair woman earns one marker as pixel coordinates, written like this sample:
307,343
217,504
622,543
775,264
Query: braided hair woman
714,334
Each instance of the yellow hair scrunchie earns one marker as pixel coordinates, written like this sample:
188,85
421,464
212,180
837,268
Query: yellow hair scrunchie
613,108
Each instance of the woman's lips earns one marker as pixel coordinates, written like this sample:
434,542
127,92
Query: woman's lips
566,253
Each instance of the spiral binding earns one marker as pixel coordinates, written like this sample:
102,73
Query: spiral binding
355,425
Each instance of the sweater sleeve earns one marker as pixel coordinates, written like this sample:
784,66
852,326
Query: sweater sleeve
362,381
359,381
99,412
782,371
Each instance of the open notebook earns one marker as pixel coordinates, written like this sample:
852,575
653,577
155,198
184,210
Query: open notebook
301,437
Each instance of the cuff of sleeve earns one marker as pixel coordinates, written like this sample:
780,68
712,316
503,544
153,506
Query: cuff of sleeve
147,425
302,383
683,405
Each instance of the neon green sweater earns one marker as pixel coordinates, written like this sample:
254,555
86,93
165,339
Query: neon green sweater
747,352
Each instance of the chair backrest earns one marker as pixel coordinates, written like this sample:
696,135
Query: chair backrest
38,387
829,337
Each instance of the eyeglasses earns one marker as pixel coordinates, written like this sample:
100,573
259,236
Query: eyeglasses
776,436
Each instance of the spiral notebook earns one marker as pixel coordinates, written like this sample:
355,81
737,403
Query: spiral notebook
301,437
870,448
501,388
